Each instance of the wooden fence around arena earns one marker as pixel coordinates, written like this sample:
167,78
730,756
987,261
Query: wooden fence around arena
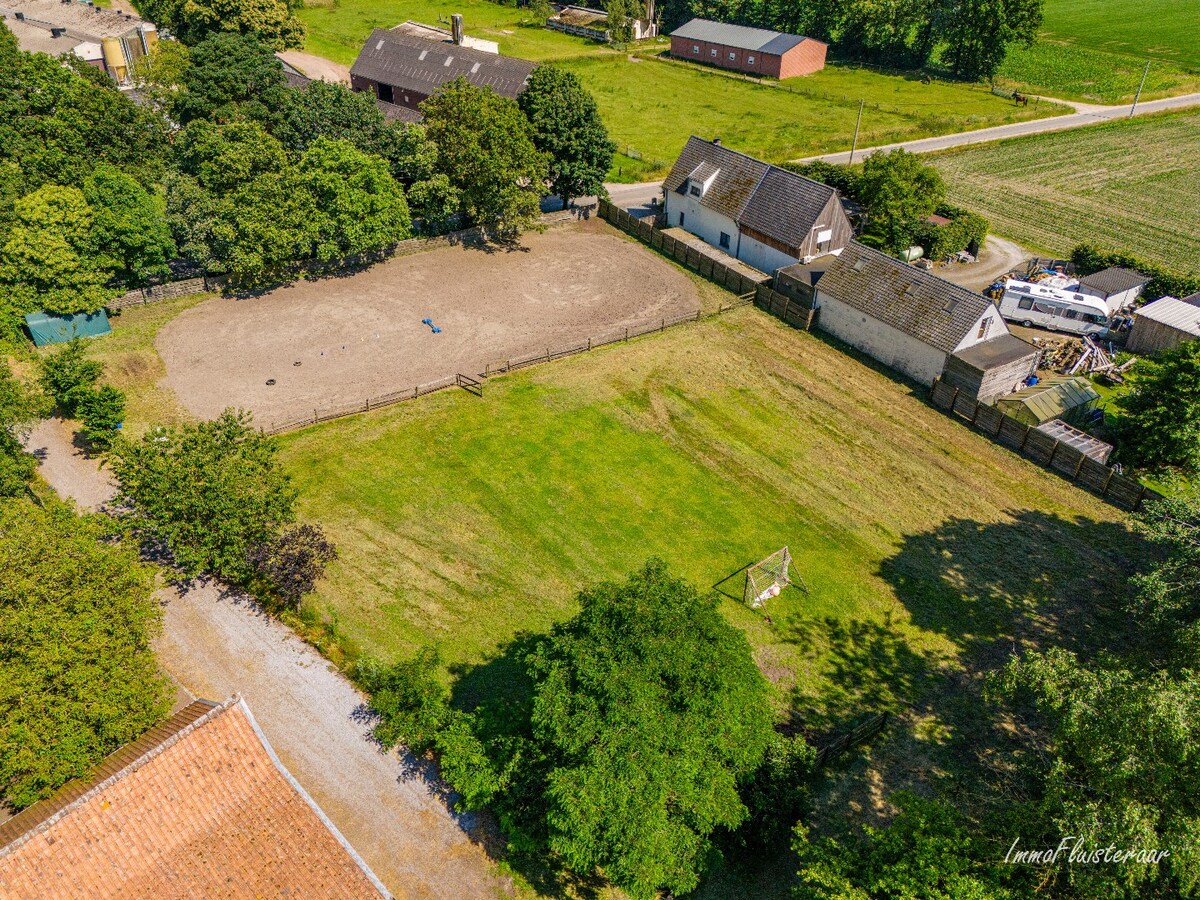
1057,456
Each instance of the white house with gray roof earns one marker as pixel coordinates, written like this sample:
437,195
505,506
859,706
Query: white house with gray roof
764,216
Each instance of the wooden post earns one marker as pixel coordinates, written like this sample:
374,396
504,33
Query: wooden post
1079,466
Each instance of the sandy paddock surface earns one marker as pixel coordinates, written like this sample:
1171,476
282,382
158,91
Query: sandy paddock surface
361,336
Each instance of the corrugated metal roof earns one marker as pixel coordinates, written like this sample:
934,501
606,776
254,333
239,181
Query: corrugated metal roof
1114,280
761,40
772,201
932,310
423,66
1176,313
1053,396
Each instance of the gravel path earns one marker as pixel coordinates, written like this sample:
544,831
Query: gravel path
999,257
216,644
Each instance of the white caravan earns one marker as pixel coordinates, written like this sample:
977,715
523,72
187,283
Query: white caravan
1038,304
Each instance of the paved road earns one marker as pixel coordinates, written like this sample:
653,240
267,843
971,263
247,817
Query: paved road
1084,115
216,644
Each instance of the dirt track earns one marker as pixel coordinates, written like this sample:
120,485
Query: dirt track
361,336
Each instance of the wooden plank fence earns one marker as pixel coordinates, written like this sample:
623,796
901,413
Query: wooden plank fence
1057,456
864,731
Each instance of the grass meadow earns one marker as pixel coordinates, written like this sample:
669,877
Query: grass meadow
651,106
1166,30
1129,184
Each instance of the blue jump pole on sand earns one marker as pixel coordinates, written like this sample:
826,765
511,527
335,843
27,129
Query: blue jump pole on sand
432,327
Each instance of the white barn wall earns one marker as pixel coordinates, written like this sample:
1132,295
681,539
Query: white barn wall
996,327
764,258
880,341
701,221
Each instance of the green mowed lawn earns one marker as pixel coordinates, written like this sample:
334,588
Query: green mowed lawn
1127,185
462,522
651,107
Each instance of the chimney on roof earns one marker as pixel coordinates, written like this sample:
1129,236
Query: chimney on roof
456,28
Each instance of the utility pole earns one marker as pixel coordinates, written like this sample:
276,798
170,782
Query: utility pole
1138,96
858,122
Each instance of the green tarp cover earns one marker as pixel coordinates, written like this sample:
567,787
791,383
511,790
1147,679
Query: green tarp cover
46,328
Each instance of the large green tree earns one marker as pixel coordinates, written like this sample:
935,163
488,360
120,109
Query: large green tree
568,129
978,33
20,406
1159,425
899,193
77,675
129,227
211,492
327,110
231,77
647,711
486,150
192,21
49,260
357,205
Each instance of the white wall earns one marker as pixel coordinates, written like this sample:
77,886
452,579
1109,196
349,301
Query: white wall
996,327
764,258
880,341
1115,302
701,221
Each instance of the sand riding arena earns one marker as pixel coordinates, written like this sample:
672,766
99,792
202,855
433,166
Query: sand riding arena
338,340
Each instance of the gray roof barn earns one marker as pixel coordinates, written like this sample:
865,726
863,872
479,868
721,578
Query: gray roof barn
921,305
772,201
420,65
739,36
1114,280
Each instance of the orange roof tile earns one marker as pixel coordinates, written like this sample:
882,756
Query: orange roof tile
200,806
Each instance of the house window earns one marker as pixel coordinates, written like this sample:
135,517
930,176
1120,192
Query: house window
724,240
733,56
681,220
749,60
983,328
696,49
713,51
694,190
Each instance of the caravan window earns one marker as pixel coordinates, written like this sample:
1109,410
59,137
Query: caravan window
1049,309
1025,303
1070,314
1094,319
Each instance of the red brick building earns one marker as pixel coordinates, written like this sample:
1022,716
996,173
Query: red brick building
755,51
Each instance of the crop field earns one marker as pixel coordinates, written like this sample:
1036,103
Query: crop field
1128,185
1167,30
651,107
1073,72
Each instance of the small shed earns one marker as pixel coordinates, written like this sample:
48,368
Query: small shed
47,328
1065,397
1163,324
1080,440
1117,287
993,368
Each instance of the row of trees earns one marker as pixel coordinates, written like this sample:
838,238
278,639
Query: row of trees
967,37
229,169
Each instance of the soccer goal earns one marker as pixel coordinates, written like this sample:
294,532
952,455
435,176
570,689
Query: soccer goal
766,579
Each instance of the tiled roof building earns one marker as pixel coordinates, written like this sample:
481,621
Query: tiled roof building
200,806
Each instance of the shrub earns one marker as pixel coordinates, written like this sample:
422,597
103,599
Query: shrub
845,179
292,563
67,375
410,699
1089,259
102,411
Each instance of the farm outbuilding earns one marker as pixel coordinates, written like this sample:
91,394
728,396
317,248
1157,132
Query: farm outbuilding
909,319
1054,397
755,51
1119,288
1164,324
993,368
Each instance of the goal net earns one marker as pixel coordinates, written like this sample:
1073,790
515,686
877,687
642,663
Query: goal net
766,579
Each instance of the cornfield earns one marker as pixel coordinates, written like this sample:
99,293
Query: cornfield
1127,185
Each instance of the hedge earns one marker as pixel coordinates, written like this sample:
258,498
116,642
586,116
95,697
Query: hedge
1088,259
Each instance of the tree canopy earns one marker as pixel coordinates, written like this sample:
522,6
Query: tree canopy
899,193
230,76
568,129
20,406
77,675
485,148
193,21
131,236
1159,424
210,492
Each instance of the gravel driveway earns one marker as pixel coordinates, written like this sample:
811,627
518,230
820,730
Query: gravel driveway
216,644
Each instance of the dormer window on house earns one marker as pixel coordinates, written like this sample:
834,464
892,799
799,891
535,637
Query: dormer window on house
696,190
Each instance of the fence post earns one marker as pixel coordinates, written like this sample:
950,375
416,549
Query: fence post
1107,482
626,332
589,343
1079,466
1140,497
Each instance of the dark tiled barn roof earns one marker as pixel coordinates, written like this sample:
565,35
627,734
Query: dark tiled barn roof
921,305
395,113
739,36
412,63
772,201
1114,280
